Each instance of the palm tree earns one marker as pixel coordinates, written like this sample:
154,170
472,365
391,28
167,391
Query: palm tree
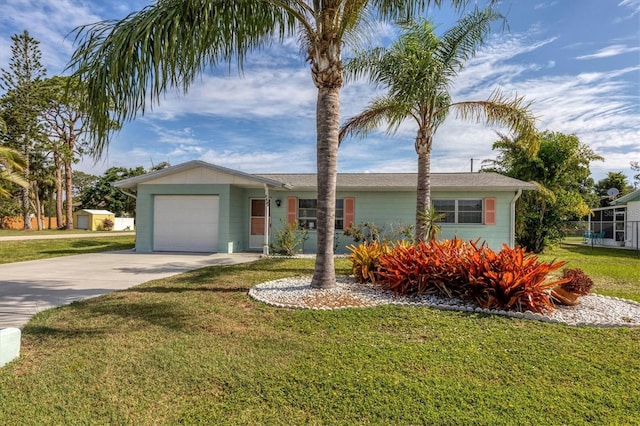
166,45
418,71
11,165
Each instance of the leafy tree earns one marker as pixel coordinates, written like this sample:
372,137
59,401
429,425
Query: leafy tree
103,195
617,180
22,103
635,166
82,182
66,124
166,55
559,165
418,71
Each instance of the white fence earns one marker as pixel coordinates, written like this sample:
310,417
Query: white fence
124,224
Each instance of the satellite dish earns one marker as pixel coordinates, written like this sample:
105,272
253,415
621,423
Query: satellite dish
612,192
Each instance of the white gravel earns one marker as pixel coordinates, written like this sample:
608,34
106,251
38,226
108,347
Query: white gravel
296,292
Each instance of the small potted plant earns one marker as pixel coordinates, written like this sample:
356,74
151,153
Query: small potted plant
578,284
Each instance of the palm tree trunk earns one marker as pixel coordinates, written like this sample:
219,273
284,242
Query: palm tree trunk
423,195
328,121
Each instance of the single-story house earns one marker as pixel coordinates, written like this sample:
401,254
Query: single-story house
201,207
91,219
619,224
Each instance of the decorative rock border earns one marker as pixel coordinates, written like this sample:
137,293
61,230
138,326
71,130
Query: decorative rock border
593,310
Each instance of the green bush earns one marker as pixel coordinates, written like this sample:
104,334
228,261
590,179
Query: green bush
288,239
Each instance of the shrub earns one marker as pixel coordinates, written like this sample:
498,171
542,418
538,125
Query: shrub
424,268
364,260
365,232
288,239
579,283
511,279
107,224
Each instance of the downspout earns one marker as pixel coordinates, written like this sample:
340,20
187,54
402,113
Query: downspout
512,225
267,214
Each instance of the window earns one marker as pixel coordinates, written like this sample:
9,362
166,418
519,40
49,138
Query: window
307,212
459,211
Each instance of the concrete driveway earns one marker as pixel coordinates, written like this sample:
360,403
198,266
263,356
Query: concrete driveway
27,288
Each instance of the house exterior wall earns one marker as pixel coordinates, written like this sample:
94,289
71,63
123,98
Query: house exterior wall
390,210
396,209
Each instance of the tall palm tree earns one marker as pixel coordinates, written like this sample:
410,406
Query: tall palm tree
418,71
166,45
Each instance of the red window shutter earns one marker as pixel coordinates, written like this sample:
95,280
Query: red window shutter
349,212
292,210
489,211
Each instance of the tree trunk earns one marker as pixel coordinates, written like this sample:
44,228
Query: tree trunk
26,206
423,192
37,206
69,193
328,121
58,166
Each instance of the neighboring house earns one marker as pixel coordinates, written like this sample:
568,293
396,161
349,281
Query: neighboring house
618,225
200,207
90,219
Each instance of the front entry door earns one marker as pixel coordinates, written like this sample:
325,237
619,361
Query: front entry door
256,237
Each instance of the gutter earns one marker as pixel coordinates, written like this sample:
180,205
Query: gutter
512,224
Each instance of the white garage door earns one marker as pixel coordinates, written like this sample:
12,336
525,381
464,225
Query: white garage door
185,223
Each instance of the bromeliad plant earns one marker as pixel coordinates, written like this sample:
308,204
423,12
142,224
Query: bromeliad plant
364,259
568,293
424,268
511,279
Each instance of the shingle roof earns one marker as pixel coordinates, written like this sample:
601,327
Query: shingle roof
407,181
352,181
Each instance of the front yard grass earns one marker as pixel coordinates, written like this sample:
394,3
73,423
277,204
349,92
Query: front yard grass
615,272
195,349
21,250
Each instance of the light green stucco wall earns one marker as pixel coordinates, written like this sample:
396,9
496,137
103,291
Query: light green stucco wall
393,210
385,209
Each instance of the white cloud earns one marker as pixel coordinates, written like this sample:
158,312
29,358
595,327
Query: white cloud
613,50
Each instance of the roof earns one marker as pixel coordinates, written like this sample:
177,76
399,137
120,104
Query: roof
408,181
134,181
626,198
91,211
351,181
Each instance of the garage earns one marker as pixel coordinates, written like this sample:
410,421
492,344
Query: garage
185,223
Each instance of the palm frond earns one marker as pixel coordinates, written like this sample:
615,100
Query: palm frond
461,42
380,111
499,110
131,62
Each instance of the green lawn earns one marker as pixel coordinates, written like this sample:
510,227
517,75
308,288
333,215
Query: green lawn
194,349
615,272
22,232
18,251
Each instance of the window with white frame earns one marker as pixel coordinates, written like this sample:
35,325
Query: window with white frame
307,213
459,211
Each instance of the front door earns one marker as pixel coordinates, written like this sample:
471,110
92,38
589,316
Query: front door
256,226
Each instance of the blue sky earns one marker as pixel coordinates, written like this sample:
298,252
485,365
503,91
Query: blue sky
578,61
